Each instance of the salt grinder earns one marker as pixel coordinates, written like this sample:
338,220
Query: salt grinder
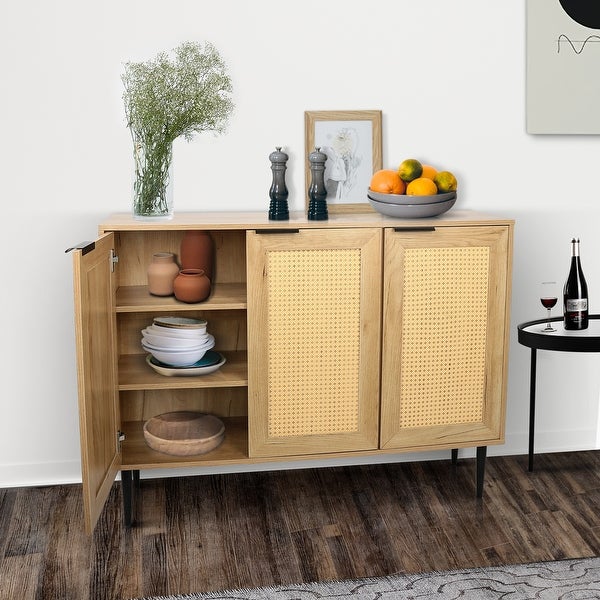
278,208
317,193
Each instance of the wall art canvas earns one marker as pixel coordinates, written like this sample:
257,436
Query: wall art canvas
352,142
563,66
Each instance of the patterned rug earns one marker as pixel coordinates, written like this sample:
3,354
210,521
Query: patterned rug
572,579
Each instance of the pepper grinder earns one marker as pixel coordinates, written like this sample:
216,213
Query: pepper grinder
317,193
278,208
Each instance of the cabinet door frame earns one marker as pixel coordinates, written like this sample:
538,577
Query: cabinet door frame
97,378
366,437
490,430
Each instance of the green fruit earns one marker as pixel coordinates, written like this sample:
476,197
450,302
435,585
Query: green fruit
445,181
410,169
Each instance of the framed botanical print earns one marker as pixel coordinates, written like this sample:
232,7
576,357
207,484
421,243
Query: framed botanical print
352,141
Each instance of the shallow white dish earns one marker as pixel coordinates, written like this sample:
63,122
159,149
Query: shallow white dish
198,368
173,332
208,342
167,341
412,211
183,358
180,322
406,199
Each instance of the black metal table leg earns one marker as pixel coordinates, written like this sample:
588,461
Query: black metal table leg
454,456
130,483
532,381
481,454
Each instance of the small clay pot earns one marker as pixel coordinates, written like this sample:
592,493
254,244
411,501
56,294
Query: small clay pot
191,285
161,274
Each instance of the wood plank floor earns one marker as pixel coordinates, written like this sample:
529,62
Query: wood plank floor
248,530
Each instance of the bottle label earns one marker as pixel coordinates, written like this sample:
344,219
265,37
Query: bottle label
577,304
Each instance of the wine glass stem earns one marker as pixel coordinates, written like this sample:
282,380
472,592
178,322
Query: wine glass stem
549,325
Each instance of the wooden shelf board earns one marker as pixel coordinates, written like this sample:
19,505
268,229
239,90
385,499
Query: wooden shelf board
135,374
224,296
136,454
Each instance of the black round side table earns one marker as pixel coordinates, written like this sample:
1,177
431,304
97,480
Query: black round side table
562,340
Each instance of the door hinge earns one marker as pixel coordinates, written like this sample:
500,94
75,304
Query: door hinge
120,439
113,260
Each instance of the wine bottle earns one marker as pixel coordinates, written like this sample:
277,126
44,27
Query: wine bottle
575,293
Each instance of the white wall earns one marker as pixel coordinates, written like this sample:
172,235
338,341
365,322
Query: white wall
449,78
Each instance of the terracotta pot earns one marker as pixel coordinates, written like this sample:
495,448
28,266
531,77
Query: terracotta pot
197,252
161,274
191,285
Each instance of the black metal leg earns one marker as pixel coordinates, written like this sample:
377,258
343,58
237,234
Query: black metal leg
454,455
532,380
481,454
130,483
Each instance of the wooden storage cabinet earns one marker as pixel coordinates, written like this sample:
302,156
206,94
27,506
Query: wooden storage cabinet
311,317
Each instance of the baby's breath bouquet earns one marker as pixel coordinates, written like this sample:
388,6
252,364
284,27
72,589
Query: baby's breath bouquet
166,98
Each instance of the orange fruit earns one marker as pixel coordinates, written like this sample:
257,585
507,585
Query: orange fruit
445,181
429,172
410,169
422,186
386,181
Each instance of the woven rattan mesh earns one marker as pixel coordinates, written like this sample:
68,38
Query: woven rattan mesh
313,342
444,325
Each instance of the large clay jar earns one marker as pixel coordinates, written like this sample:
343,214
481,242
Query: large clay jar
197,252
191,285
161,274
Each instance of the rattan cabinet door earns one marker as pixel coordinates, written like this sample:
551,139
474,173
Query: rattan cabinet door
444,337
314,300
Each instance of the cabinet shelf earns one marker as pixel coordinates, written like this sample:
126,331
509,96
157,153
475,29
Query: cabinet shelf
135,374
136,454
224,296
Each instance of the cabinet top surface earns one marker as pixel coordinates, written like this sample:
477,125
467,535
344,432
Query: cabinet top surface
260,220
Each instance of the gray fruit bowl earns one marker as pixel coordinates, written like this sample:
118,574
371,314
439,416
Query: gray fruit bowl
412,211
406,199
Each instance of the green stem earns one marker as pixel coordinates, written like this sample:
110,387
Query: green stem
152,162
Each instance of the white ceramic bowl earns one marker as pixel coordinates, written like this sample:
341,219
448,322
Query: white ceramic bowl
177,343
180,322
176,333
208,342
179,358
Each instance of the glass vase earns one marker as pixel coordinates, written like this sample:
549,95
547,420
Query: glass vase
153,181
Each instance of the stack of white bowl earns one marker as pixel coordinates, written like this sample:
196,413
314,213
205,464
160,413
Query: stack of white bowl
176,346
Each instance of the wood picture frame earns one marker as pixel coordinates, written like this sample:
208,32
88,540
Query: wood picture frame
352,141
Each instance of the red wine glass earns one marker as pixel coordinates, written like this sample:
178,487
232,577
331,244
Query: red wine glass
548,298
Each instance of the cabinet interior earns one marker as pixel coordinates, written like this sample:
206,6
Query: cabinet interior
144,393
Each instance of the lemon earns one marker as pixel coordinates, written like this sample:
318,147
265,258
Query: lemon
421,186
410,169
445,181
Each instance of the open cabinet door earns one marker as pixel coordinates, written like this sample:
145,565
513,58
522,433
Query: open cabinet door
95,327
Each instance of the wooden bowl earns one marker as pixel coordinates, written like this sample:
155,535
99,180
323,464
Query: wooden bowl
184,433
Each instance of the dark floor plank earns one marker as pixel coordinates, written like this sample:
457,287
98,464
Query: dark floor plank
255,529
